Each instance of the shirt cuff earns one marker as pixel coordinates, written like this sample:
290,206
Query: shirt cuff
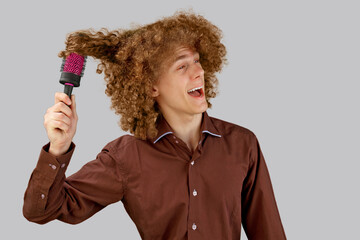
48,161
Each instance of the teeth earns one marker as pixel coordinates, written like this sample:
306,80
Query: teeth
194,89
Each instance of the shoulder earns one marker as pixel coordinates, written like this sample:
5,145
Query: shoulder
231,129
121,142
237,137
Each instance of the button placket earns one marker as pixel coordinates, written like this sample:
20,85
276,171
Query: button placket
194,201
194,193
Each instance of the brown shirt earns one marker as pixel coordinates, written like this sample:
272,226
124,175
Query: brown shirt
168,191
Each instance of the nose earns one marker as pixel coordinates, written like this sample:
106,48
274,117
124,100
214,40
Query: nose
197,71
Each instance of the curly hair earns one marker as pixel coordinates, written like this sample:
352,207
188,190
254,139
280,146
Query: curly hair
133,59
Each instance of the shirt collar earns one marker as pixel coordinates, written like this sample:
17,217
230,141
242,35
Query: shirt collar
207,127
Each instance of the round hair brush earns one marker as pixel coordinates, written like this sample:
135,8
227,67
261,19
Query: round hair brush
72,69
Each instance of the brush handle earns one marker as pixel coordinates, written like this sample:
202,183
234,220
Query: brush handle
68,89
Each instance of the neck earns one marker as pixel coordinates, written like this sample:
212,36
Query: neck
186,127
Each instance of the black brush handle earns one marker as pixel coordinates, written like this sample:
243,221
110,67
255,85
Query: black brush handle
68,90
69,80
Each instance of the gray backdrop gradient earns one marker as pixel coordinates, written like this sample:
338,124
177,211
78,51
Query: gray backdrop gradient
292,78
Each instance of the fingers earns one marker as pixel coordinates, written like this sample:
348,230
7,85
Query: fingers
62,97
65,105
60,122
60,115
59,125
61,107
57,120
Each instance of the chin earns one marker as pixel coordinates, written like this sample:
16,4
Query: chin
203,109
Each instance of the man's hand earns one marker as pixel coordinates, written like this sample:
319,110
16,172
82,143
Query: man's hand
60,122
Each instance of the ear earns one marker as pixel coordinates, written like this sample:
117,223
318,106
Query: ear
155,91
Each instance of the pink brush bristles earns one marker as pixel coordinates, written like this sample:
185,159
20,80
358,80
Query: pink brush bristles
74,64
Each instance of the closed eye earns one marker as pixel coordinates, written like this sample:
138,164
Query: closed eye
183,66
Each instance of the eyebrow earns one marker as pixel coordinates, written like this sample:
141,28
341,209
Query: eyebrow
184,56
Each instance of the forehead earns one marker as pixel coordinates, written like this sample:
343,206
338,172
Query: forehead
182,53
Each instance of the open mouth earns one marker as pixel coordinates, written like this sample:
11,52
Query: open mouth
196,92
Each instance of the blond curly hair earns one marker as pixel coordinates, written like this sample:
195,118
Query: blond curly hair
133,59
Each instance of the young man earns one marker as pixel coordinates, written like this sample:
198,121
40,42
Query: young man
182,174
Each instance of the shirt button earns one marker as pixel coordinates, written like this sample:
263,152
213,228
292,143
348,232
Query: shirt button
177,141
194,226
52,166
42,196
194,192
63,165
174,137
192,163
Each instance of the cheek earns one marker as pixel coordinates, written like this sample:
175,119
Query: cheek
172,92
173,88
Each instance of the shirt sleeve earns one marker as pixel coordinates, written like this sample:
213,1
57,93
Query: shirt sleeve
50,195
261,219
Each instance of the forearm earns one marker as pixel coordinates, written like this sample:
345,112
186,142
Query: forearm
75,198
45,188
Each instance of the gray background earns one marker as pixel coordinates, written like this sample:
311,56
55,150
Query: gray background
292,78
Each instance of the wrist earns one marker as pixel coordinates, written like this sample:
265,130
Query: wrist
58,151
